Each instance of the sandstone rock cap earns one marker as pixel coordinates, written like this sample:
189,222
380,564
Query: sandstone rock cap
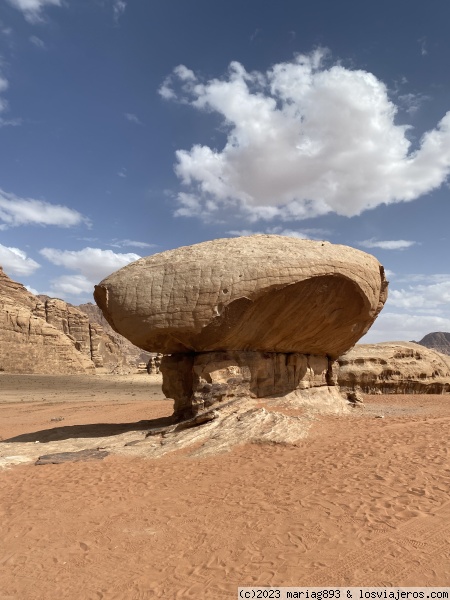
262,292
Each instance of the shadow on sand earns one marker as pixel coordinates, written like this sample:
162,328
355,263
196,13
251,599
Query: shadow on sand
95,430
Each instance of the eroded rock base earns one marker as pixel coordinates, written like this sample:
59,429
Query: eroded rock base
279,420
222,399
200,381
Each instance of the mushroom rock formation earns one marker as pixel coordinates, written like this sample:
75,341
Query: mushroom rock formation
255,316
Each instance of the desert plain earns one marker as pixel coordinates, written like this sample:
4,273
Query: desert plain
363,500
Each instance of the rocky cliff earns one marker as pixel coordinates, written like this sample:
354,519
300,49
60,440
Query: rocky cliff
439,341
29,343
39,334
394,368
118,346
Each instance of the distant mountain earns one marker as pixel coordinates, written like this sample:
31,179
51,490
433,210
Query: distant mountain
439,340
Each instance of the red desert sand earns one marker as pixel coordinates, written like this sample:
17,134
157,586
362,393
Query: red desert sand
362,501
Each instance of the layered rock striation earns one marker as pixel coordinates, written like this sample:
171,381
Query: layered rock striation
113,348
202,380
71,321
253,316
30,344
394,368
39,334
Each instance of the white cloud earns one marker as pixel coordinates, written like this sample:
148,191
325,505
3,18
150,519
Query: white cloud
4,84
133,243
133,118
15,211
390,327
10,122
423,278
119,7
288,232
5,31
303,139
32,9
93,263
412,102
423,46
15,261
190,206
37,41
122,172
185,74
243,232
426,297
71,285
165,90
3,103
304,234
31,290
180,74
255,34
415,310
387,244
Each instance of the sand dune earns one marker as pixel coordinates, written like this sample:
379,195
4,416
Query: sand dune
361,501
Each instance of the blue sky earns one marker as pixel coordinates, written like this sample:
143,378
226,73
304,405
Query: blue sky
128,127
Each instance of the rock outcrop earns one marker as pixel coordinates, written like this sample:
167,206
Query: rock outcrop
114,349
71,321
394,368
439,341
15,291
28,343
245,317
88,336
39,334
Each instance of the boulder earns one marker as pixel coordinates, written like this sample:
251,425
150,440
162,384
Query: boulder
394,368
241,318
263,293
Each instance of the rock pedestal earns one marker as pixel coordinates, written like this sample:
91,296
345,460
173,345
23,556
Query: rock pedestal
206,380
258,317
